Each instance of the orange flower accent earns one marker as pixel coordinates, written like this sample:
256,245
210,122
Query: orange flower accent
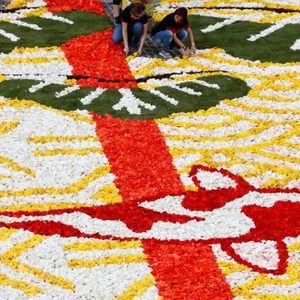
100,60
95,6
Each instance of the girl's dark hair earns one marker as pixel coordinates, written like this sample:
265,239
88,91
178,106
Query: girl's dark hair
137,8
182,12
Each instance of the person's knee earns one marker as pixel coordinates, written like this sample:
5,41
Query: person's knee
117,39
117,34
138,27
168,33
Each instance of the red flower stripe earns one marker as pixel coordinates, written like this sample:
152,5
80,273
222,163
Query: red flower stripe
95,6
93,82
46,228
186,270
139,158
96,56
52,228
275,223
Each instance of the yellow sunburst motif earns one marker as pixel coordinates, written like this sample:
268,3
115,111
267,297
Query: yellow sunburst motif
62,163
19,3
257,128
263,6
63,263
10,259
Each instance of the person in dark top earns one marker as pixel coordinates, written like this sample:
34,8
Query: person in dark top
119,5
171,31
132,28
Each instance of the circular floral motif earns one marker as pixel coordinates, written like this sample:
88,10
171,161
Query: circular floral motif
200,204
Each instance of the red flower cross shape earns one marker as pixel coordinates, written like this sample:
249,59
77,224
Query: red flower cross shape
225,209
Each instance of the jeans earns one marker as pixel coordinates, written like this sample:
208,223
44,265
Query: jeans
135,32
166,38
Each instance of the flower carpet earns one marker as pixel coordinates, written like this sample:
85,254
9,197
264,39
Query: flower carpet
144,178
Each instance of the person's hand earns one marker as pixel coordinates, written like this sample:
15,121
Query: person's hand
193,48
126,50
185,51
139,52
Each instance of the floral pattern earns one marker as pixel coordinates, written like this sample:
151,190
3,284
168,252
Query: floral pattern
196,205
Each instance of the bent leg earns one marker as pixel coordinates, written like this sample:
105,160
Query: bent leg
137,31
163,37
117,34
181,35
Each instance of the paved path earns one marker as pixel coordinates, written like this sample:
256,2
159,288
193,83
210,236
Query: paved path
3,4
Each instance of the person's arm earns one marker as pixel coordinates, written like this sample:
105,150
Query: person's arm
150,11
149,24
125,37
191,36
183,49
177,41
143,39
116,7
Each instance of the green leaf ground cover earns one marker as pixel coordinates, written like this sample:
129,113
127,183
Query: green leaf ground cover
231,38
53,33
103,104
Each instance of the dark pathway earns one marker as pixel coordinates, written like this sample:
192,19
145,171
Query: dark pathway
3,4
